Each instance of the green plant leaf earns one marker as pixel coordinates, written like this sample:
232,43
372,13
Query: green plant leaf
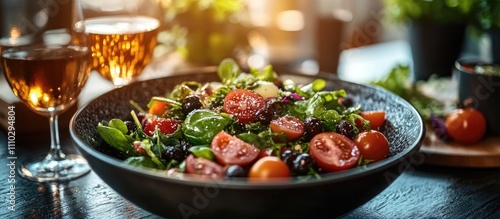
114,137
200,126
202,151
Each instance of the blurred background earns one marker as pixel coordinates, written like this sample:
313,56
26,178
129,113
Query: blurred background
301,34
358,40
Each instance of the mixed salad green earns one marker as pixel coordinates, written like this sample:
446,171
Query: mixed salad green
448,119
250,124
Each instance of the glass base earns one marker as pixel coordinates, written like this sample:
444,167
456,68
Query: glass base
43,169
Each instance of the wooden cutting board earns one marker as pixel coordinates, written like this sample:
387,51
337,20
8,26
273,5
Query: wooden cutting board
483,154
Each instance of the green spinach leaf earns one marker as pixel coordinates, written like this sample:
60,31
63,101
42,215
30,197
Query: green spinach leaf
116,137
200,126
202,151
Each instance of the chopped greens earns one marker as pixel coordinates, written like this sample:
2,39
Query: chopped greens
397,81
196,113
432,110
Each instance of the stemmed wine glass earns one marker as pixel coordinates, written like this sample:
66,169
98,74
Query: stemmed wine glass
46,65
122,36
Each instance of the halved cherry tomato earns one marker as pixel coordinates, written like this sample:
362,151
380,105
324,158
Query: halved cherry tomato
202,166
230,150
267,168
466,125
333,151
166,126
291,126
373,145
243,104
158,108
376,118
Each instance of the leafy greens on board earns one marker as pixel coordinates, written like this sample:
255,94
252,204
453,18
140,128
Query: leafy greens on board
432,110
397,81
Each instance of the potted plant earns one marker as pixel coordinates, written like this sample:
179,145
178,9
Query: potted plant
436,32
203,32
485,21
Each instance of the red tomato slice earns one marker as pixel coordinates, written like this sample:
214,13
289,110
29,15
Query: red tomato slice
376,118
158,108
373,145
166,126
243,104
202,166
291,126
333,151
267,168
230,150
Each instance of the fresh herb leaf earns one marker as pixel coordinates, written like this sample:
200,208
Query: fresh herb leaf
262,140
267,74
228,70
317,104
181,91
311,88
118,124
139,133
115,137
398,82
217,98
148,147
202,151
200,126
330,119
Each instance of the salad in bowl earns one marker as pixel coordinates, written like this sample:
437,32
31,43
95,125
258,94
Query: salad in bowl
218,142
251,125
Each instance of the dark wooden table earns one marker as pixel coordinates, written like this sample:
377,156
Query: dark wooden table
421,192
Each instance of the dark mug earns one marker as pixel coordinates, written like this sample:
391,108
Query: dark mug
479,86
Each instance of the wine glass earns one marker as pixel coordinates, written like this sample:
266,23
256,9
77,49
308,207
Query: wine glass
46,65
122,36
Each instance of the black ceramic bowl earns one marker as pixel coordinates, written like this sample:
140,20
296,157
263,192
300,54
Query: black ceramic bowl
332,195
480,88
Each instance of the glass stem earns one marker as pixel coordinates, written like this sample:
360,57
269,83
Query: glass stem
55,147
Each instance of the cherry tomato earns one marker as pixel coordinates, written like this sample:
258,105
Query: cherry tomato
373,145
202,166
243,104
291,126
230,150
376,118
158,108
166,126
267,168
333,151
466,125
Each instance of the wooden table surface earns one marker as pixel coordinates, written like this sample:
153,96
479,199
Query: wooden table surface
423,191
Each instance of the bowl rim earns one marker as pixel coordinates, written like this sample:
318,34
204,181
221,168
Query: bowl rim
459,65
326,178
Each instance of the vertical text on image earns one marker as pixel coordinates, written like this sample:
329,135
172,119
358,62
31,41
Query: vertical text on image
11,157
